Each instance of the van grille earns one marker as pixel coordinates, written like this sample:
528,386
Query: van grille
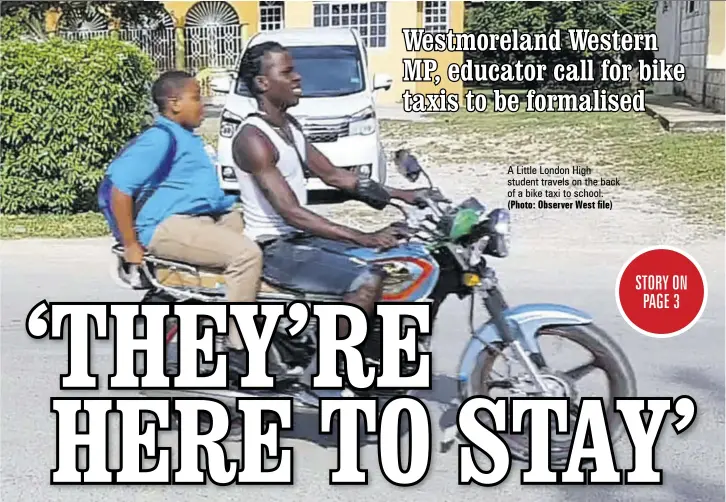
326,131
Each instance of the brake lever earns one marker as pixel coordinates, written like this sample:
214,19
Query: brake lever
437,197
436,210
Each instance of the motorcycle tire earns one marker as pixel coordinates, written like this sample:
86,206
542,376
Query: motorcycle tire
622,384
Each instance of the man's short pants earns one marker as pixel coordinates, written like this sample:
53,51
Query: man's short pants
314,265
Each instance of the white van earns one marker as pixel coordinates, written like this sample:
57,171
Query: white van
337,108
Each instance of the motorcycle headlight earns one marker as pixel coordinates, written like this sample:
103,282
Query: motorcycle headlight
499,233
500,222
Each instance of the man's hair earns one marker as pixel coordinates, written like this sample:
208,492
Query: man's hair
253,61
168,85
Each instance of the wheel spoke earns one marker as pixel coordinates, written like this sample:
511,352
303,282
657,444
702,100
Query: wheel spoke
581,371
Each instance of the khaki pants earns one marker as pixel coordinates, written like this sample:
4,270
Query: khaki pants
220,244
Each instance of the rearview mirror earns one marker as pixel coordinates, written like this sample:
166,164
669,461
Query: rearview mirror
382,81
407,165
221,84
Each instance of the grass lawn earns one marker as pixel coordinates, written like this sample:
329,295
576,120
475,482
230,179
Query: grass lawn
53,226
688,168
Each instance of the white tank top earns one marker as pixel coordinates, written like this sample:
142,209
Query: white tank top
260,217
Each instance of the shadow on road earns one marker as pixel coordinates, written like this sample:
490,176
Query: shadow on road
306,425
680,487
695,379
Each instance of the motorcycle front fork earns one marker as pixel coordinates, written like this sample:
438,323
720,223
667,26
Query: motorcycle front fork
496,306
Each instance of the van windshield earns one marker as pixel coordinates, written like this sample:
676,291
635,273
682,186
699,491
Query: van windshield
326,71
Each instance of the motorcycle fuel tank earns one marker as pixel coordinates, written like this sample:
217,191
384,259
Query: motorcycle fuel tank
412,271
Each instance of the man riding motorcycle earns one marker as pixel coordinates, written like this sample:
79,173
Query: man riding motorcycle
271,155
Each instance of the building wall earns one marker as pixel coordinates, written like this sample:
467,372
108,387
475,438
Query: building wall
444,59
388,60
715,89
702,52
716,57
380,60
248,12
694,46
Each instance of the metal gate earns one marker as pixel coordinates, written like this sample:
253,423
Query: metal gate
212,46
84,34
160,45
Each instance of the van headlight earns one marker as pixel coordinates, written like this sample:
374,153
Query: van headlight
228,124
363,123
228,173
364,171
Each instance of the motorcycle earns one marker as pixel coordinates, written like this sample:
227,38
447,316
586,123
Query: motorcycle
445,253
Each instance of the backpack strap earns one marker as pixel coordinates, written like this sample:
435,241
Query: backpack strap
161,173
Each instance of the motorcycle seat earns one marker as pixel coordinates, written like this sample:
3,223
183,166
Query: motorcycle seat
179,274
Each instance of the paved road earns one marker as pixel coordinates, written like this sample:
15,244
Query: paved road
692,364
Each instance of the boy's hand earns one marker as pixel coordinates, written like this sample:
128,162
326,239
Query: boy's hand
134,253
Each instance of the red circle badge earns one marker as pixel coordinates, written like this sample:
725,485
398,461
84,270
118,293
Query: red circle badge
661,292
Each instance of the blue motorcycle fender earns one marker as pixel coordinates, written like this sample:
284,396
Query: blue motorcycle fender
525,322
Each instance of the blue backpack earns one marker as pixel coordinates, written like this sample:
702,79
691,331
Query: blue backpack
160,174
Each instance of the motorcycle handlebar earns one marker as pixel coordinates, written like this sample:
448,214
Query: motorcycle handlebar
415,216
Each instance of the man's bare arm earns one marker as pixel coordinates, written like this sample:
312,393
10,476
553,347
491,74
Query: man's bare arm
253,151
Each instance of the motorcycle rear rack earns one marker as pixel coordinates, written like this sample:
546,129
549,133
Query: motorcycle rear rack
145,278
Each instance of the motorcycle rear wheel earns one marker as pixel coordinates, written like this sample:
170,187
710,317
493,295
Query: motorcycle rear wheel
611,359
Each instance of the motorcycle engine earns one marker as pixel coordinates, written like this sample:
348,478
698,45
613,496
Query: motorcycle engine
373,346
294,351
298,351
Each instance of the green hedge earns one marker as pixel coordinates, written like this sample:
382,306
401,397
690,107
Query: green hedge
67,108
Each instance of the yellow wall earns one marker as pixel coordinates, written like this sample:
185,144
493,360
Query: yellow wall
385,60
298,14
716,57
51,20
389,60
444,59
248,12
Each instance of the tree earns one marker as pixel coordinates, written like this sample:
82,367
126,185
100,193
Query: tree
28,18
21,24
634,16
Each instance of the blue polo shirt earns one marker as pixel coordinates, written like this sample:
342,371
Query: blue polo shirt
191,188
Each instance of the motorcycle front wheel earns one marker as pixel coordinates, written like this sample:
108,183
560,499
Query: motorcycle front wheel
607,356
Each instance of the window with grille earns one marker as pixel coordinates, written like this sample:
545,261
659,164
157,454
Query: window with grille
436,16
368,18
272,16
